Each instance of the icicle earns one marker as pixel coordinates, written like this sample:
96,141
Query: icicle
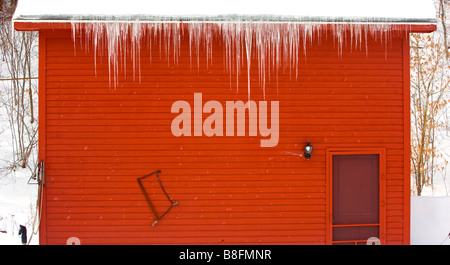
248,50
275,46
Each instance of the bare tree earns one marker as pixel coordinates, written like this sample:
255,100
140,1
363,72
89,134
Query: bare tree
19,54
442,14
429,87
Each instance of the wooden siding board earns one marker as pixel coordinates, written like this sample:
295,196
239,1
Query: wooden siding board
99,139
407,141
42,141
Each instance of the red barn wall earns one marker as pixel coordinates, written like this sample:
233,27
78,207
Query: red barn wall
97,139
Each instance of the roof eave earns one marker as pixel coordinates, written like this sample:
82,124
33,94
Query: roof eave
45,22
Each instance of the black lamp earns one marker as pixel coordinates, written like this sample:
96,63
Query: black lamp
308,150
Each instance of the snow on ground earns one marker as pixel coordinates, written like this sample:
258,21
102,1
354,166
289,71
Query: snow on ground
17,197
17,207
430,213
430,220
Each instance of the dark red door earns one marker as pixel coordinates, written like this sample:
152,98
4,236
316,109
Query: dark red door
355,198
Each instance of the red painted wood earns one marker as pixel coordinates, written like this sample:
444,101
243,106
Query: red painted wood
355,189
97,140
42,131
407,140
356,202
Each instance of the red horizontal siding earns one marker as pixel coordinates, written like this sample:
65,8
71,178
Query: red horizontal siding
99,139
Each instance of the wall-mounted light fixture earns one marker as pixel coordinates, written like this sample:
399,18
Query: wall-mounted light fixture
308,150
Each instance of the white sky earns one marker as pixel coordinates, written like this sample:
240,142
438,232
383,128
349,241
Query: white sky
400,9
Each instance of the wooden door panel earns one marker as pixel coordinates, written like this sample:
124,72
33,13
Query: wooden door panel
355,197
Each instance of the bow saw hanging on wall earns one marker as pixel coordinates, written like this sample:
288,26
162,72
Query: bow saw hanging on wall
148,198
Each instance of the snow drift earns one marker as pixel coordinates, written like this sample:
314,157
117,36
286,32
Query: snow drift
430,220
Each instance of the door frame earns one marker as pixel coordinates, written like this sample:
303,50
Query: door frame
381,152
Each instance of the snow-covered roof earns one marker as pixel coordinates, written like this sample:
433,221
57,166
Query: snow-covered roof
361,11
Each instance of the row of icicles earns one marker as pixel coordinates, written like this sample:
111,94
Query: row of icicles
275,45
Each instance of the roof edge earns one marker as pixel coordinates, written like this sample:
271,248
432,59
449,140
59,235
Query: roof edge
60,22
219,18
